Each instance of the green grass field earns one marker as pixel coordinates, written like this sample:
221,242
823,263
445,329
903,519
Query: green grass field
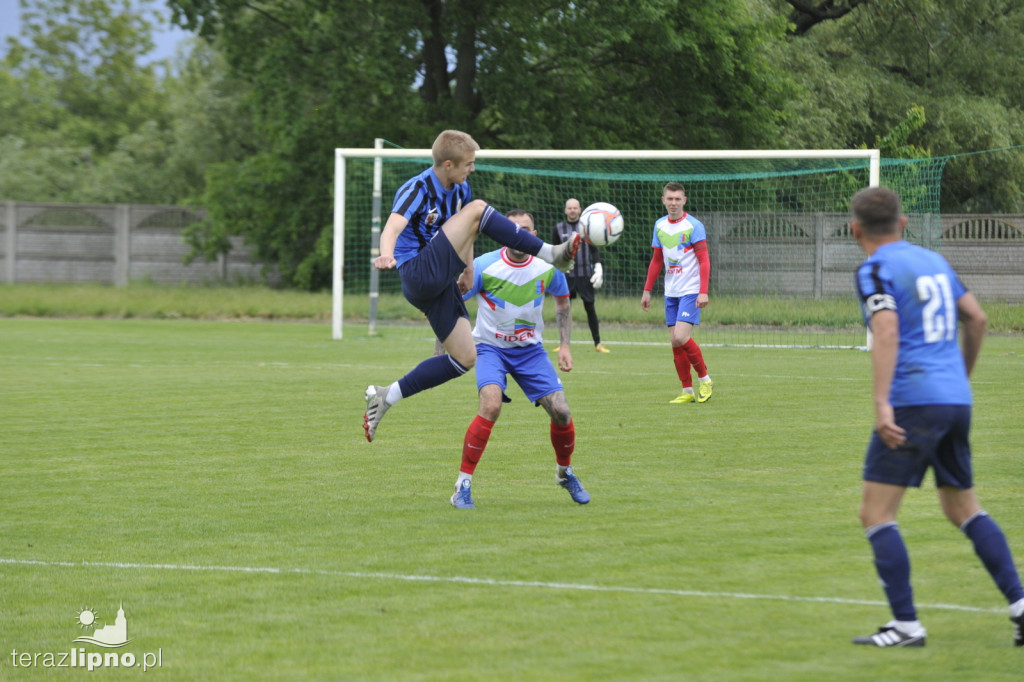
213,477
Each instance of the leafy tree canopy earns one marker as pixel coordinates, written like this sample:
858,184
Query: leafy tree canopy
513,73
245,124
953,60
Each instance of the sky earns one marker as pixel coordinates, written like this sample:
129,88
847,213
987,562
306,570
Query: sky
166,37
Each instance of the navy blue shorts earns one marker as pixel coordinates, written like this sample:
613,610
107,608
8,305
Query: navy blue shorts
937,437
528,365
429,283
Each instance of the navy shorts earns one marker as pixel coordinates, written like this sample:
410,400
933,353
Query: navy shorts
681,309
429,283
528,365
937,437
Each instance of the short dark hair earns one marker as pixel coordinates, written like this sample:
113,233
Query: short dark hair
518,211
877,209
674,187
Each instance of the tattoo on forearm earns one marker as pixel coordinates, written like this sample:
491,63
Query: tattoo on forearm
563,318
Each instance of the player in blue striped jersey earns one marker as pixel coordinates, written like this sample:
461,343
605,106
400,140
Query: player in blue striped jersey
912,300
429,237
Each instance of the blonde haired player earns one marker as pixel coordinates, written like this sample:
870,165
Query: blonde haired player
429,237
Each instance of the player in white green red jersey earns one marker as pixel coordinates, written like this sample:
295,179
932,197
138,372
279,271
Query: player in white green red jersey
510,286
680,246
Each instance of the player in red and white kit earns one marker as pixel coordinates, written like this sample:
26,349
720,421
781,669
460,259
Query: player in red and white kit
681,248
510,287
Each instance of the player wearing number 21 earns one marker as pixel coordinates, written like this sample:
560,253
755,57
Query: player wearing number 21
912,300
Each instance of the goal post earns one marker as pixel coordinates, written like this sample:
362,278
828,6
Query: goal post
777,225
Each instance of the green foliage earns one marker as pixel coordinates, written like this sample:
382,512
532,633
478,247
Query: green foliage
74,85
606,75
82,119
982,182
592,74
245,124
318,76
895,144
870,67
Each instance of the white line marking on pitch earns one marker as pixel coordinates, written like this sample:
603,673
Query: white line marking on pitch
462,580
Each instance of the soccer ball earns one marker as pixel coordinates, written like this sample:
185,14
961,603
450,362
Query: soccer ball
601,224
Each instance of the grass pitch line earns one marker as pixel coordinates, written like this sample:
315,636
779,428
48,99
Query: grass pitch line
489,582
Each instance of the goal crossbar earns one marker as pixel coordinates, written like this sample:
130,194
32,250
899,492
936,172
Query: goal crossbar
873,156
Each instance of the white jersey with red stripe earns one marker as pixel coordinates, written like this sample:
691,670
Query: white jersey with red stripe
510,298
676,239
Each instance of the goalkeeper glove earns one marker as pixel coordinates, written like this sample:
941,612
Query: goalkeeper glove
598,279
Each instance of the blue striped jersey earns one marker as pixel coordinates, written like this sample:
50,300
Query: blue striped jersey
426,204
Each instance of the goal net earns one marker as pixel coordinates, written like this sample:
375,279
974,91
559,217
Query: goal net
782,256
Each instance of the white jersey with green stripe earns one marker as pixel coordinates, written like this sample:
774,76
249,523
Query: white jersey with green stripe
510,298
676,240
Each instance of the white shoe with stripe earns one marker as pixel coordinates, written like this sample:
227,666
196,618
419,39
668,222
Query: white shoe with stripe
890,635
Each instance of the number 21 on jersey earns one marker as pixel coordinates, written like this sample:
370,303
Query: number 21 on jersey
938,317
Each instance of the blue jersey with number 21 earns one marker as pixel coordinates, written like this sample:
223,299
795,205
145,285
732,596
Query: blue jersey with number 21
922,288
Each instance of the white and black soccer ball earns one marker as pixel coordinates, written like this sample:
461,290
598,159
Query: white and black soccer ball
601,224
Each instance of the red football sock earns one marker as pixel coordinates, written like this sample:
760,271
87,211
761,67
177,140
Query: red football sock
477,435
682,361
563,438
696,357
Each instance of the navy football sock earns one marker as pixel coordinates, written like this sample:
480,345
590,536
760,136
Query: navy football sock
504,231
431,372
893,566
991,546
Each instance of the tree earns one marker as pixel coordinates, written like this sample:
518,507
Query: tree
806,15
872,64
85,54
83,119
514,73
71,94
